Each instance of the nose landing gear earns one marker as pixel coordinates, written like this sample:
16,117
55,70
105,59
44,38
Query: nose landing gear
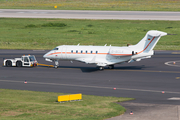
56,64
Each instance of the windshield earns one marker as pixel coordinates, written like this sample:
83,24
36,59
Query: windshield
55,49
32,58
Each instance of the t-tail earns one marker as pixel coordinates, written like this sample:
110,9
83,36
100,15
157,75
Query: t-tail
147,44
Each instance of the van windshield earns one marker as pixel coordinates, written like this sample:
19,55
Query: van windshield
32,58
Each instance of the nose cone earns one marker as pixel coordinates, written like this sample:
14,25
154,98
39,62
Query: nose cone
45,55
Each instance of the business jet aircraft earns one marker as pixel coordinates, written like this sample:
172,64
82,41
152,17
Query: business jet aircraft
106,55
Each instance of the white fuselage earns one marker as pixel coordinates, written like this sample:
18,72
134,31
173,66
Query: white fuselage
100,55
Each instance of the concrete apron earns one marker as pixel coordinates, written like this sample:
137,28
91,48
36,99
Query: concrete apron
143,111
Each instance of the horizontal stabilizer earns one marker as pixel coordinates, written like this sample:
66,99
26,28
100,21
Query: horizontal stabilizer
155,33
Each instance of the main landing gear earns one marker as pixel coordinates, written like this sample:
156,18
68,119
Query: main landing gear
110,67
101,68
56,64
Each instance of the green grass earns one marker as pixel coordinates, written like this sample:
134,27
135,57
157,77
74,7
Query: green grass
121,5
22,33
29,105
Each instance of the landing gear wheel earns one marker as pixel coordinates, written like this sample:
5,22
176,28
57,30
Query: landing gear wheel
56,66
19,64
8,63
111,66
101,68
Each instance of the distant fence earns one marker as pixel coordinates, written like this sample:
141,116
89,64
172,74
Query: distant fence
69,97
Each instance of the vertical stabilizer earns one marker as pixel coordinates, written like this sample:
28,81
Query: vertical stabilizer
149,41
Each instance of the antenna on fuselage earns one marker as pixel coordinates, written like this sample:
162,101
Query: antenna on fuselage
105,44
110,45
78,44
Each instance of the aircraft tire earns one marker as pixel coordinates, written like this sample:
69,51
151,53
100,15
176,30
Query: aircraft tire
56,67
101,68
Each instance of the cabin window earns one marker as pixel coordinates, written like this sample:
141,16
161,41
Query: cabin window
86,51
96,52
81,51
91,52
76,51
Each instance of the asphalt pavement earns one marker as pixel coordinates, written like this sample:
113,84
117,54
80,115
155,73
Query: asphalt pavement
153,84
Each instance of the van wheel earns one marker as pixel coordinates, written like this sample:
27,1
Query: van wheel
19,64
8,63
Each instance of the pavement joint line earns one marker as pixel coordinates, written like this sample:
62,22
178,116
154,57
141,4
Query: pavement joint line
118,70
175,53
126,70
99,87
148,71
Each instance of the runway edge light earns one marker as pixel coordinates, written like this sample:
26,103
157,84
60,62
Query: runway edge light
131,113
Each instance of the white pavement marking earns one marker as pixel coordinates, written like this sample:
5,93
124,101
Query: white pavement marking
99,87
171,63
174,98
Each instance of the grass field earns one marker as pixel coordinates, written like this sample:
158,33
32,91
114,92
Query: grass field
29,105
122,5
21,33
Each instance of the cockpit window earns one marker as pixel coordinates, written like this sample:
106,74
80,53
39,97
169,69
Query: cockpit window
55,49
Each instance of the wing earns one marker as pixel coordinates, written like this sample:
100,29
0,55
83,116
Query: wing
98,62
